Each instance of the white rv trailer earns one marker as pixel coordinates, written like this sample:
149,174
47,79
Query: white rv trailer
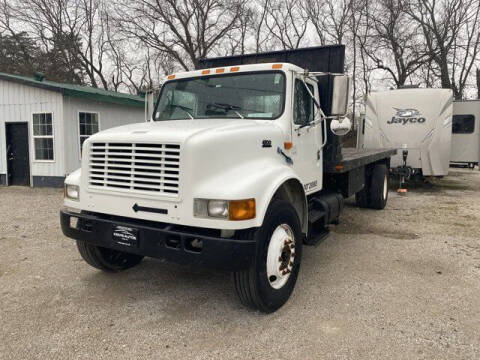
465,133
415,121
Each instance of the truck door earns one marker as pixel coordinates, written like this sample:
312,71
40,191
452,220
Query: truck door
307,139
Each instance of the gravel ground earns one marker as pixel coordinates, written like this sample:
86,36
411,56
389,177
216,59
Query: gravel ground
399,283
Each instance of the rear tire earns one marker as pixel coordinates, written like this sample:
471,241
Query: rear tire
379,187
361,197
107,260
270,280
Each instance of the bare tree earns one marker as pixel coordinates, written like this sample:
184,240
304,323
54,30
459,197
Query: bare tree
75,27
330,19
451,31
394,41
478,83
186,30
287,23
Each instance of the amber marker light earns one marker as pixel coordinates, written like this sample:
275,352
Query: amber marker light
220,70
276,66
205,72
171,77
242,209
235,68
287,145
339,167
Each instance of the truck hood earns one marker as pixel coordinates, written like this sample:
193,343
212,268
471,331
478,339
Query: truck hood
176,130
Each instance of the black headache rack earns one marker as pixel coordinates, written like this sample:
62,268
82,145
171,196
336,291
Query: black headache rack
327,59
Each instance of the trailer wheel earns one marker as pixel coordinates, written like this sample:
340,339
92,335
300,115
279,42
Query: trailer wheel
107,260
379,187
270,280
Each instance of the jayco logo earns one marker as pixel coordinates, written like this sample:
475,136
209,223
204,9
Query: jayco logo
407,116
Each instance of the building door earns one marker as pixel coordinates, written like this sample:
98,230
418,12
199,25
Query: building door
18,159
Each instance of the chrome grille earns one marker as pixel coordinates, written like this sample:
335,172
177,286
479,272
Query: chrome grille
138,167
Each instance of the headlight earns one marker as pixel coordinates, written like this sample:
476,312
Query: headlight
225,209
72,192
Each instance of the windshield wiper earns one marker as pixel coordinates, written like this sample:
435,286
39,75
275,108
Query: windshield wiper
228,107
184,108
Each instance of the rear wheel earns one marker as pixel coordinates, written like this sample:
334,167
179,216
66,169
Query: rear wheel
270,280
379,187
108,260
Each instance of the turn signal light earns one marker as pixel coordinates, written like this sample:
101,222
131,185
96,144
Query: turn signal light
287,145
242,209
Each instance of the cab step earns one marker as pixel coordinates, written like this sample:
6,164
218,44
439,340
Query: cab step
316,236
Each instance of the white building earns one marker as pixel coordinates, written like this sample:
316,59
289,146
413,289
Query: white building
43,125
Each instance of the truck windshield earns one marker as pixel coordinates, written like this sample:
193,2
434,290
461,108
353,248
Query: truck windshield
259,95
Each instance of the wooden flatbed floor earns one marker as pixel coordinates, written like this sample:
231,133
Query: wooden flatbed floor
353,158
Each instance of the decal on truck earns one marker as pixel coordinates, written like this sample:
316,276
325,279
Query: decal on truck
407,116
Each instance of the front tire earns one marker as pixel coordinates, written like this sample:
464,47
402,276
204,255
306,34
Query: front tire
107,260
270,280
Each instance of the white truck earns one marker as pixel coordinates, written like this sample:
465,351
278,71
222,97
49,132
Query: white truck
237,169
415,121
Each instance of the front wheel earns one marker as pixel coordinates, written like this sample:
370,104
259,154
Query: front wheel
270,280
107,260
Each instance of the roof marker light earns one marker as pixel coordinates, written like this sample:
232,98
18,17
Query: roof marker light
220,70
171,77
276,66
235,68
206,72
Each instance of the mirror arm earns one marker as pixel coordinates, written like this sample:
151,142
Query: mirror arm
310,93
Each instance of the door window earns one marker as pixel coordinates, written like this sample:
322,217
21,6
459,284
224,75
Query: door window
302,104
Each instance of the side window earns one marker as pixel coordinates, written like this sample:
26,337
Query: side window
302,104
43,136
463,124
88,123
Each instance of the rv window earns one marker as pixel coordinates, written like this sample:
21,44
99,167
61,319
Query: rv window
463,124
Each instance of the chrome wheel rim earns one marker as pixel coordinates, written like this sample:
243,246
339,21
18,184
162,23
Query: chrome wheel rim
280,256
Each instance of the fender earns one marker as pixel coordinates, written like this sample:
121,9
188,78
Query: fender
74,178
259,179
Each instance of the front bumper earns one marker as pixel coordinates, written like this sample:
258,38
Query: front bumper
162,241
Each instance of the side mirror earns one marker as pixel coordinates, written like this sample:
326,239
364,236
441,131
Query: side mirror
341,126
340,95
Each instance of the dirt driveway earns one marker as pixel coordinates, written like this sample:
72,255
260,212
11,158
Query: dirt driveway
403,283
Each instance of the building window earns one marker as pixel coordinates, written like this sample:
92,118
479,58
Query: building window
463,124
88,126
43,136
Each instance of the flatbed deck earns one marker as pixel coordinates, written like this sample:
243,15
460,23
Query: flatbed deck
353,158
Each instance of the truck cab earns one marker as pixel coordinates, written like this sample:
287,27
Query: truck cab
229,173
